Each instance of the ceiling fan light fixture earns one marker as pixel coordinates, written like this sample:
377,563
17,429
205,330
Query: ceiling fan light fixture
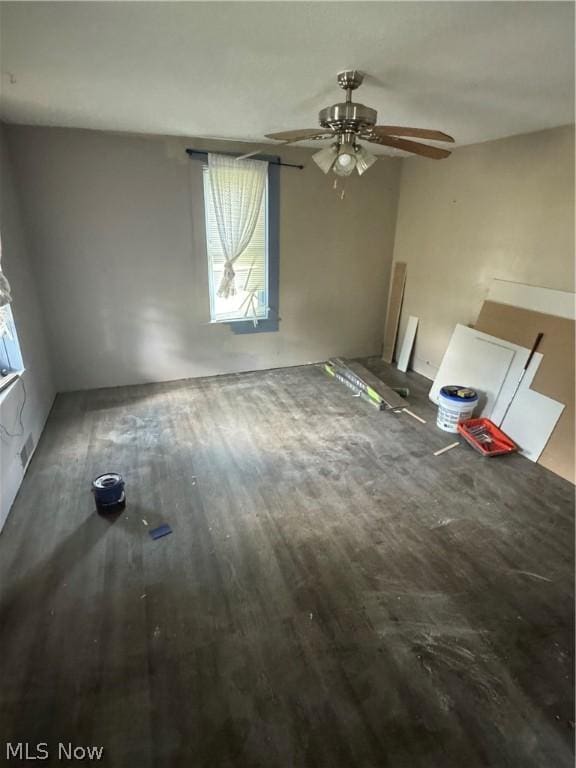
346,160
347,122
364,160
325,158
344,170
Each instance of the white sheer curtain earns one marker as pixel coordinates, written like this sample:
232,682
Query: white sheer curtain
237,188
5,295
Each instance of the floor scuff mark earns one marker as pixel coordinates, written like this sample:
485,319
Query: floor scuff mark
533,575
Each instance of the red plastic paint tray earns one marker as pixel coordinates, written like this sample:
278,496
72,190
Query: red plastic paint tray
486,438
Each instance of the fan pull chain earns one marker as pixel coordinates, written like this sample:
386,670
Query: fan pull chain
342,191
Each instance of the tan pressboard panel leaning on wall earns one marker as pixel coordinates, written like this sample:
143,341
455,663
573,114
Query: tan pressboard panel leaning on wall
393,312
555,376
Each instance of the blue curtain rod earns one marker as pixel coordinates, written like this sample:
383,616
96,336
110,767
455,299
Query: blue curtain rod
274,161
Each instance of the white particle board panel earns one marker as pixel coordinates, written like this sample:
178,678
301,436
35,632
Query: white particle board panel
407,344
531,420
531,417
546,300
491,366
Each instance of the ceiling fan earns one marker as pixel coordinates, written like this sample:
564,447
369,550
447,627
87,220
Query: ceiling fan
348,122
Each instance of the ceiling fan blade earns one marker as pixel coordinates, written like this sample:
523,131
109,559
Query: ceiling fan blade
435,153
299,135
419,133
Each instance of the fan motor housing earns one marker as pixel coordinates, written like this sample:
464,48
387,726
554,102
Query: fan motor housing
348,116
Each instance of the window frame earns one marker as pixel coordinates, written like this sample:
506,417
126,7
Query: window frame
10,352
271,322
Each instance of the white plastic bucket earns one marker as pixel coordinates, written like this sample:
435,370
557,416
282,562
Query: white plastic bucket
455,404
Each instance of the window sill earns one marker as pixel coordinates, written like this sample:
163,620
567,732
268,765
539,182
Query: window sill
234,320
268,324
7,383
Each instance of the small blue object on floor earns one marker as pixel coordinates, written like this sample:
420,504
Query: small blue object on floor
162,530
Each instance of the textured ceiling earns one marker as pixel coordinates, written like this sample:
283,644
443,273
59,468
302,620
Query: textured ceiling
239,70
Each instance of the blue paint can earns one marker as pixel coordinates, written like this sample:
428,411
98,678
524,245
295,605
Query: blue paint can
108,490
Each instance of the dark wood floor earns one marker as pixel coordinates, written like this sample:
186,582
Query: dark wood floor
333,595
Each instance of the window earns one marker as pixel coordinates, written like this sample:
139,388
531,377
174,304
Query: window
254,306
10,356
251,298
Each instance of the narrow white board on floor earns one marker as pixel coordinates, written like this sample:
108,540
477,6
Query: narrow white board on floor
489,365
548,301
407,344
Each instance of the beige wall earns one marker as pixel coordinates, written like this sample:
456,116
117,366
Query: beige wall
501,209
116,228
116,223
